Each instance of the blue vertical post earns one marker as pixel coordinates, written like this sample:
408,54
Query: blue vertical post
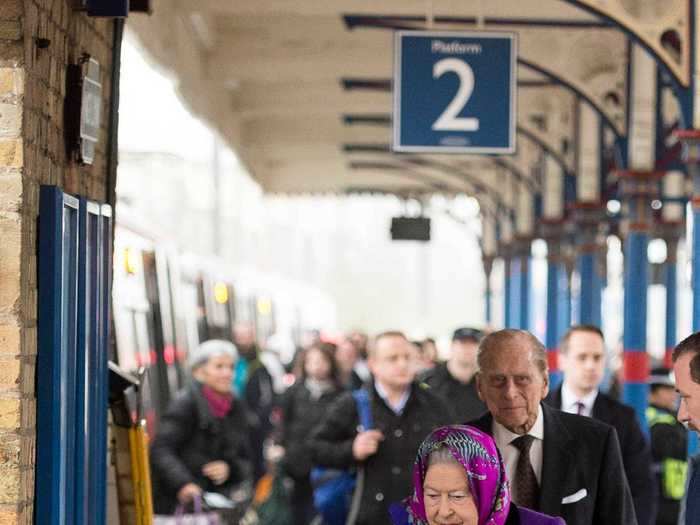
591,287
553,314
564,318
506,291
635,391
691,156
638,188
671,282
488,293
525,289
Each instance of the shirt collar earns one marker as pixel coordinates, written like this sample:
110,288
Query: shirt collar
569,399
400,405
504,436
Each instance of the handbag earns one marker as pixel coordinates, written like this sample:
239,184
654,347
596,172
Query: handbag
199,517
337,492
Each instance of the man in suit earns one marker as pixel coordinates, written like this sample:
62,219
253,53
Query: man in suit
560,464
686,368
582,360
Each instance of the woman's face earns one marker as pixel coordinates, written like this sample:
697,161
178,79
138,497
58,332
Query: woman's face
217,373
316,366
447,497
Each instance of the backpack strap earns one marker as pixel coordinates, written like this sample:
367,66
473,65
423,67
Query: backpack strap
364,410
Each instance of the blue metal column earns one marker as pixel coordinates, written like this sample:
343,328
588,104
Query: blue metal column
691,156
488,292
507,299
588,218
637,188
552,231
525,287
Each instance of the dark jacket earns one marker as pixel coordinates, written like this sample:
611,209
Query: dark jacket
462,398
388,472
188,437
669,451
300,414
259,397
635,448
582,460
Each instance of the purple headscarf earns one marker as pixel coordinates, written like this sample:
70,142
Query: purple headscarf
478,454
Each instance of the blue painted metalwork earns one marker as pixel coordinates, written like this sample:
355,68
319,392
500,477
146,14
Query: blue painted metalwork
72,382
525,294
671,281
553,314
58,267
101,368
564,320
507,292
695,274
635,390
568,85
591,289
629,32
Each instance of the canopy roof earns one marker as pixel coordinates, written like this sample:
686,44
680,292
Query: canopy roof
302,90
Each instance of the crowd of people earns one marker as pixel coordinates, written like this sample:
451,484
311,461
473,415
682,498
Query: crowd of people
382,433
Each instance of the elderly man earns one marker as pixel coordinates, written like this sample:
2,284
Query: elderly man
560,464
686,368
582,359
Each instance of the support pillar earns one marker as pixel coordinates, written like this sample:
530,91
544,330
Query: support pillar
638,188
552,231
488,292
691,156
588,218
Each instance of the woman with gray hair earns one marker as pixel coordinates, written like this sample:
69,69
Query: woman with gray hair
201,443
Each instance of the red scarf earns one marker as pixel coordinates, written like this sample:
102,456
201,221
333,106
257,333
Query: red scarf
219,404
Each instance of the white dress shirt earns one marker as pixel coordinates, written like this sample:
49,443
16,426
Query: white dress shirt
401,403
569,401
510,453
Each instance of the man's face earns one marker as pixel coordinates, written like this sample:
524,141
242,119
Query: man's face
244,336
393,362
463,354
583,363
664,397
512,386
346,355
689,407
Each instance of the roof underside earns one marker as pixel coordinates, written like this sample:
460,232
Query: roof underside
285,83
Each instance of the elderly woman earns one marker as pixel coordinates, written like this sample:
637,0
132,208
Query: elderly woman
459,479
201,443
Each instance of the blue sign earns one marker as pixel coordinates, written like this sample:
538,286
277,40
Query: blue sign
454,92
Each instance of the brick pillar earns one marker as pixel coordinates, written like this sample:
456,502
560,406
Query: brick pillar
16,396
38,39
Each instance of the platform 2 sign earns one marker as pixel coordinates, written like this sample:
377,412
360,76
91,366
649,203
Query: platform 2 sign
454,92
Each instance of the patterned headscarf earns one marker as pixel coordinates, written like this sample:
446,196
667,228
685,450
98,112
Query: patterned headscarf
478,454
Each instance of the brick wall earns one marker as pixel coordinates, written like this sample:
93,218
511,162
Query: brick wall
32,152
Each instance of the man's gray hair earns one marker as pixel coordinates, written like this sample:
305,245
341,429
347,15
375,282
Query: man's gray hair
208,349
496,339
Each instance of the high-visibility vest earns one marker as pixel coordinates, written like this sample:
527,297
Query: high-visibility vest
673,471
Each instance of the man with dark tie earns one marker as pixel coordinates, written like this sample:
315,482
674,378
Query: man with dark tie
560,464
582,360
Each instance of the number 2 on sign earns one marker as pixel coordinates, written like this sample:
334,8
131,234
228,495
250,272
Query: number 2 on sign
449,121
